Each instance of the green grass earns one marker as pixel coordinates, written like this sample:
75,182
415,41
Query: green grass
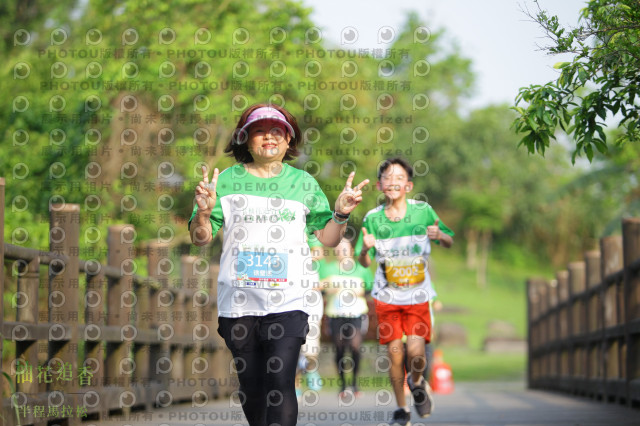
471,365
504,297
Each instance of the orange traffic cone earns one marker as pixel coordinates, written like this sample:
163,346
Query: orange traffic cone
441,376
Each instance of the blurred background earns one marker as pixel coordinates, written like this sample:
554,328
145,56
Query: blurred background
116,105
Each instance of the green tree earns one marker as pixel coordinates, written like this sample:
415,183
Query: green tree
78,154
608,191
601,82
440,80
95,163
488,190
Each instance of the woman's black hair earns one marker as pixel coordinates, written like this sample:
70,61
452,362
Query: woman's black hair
238,148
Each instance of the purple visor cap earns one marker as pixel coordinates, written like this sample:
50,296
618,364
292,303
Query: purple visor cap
267,113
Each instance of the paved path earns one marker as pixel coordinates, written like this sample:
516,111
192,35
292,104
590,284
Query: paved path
470,404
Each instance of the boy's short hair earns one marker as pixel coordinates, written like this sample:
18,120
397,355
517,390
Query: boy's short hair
238,148
399,161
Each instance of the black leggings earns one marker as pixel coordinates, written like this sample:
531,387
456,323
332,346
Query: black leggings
266,357
346,333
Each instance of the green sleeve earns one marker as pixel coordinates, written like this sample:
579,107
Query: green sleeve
433,216
319,211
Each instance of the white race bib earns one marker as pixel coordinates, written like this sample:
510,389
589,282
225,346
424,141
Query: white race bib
261,269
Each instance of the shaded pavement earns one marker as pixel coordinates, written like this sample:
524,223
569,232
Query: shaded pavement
485,403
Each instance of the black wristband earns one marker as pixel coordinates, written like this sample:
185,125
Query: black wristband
340,215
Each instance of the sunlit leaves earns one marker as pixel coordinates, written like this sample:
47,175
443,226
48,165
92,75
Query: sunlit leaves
600,83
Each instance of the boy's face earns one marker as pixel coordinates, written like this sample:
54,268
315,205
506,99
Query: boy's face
394,182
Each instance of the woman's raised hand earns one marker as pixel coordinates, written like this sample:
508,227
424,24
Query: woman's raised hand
350,197
206,192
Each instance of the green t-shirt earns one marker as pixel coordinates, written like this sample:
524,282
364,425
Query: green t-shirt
265,266
346,283
401,252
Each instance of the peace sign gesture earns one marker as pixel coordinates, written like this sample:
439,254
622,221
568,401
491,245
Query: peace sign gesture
206,192
350,197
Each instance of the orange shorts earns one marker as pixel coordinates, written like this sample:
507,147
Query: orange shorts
395,320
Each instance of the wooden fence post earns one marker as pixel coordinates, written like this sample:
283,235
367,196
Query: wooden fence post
202,327
631,253
537,336
201,331
27,312
611,262
577,286
159,266
595,328
186,279
584,327
190,285
2,188
177,350
95,318
564,326
544,328
64,236
142,351
554,330
118,358
125,324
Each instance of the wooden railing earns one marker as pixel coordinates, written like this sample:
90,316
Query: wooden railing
94,341
584,326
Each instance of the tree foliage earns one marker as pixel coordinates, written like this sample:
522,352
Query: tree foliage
601,82
355,108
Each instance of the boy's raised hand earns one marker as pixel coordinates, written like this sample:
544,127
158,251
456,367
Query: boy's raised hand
368,240
206,192
350,197
433,231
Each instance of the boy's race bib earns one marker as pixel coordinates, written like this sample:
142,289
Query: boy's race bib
404,273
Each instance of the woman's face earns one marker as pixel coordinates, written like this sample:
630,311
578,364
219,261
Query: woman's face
268,140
